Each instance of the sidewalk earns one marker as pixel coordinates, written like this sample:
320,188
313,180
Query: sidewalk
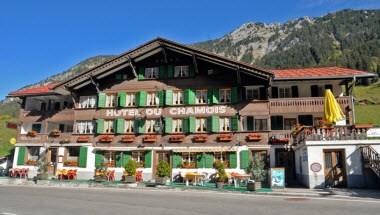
290,192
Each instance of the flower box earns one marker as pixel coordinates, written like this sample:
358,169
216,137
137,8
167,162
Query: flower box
279,140
362,126
128,138
224,137
187,165
109,164
150,139
70,163
253,137
176,138
55,133
31,134
83,139
200,138
31,162
106,139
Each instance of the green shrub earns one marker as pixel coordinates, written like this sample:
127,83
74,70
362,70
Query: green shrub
257,169
163,169
130,167
221,172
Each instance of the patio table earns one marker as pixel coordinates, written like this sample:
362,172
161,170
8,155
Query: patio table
238,178
193,175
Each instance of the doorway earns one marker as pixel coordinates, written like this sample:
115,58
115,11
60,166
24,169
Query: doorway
51,159
335,168
285,158
158,156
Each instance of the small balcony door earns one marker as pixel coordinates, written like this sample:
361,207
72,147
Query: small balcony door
335,168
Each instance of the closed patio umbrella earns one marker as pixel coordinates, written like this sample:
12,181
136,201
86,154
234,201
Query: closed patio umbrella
332,111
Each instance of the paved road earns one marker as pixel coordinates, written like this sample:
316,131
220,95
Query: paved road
57,201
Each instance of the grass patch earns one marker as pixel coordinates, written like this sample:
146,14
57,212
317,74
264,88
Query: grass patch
370,93
5,135
367,114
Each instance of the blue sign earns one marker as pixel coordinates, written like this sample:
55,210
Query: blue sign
277,178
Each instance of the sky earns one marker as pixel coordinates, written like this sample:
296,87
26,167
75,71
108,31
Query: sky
39,38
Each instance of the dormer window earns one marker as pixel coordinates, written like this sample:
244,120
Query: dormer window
181,71
151,72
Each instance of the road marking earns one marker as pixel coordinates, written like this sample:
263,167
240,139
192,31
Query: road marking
6,213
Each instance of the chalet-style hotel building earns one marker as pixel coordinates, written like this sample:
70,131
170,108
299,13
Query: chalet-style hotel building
168,101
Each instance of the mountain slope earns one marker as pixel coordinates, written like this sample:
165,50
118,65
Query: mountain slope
347,38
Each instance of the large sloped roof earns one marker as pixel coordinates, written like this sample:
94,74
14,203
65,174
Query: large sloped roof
36,90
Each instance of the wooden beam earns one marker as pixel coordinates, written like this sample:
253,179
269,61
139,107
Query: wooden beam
132,66
165,55
195,64
95,84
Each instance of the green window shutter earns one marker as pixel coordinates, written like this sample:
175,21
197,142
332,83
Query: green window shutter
141,99
244,159
21,155
141,73
83,157
100,126
139,126
119,126
249,123
234,95
161,96
122,98
232,158
99,159
168,125
119,159
209,160
189,97
200,160
213,124
148,159
162,72
101,100
114,125
185,125
191,71
213,96
235,123
176,160
170,71
169,97
191,124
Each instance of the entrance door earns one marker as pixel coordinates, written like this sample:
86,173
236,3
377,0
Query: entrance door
335,168
52,160
285,158
160,155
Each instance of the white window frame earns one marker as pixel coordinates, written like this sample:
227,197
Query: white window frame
252,93
177,126
200,125
151,72
130,100
129,126
225,96
189,157
284,92
201,96
152,99
178,98
108,127
220,156
255,127
87,102
149,125
224,124
84,127
111,100
181,71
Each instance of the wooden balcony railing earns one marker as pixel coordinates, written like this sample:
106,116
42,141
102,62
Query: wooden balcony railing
44,138
304,105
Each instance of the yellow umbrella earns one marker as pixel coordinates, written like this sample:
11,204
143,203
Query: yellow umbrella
332,110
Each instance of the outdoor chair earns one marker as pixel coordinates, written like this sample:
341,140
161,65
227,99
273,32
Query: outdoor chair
24,173
111,175
139,176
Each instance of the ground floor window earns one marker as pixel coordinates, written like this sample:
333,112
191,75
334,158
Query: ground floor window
262,155
109,159
139,156
33,154
222,157
289,123
71,156
188,160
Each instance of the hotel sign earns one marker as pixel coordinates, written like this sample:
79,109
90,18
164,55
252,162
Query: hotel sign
173,111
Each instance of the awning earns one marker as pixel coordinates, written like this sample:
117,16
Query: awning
206,149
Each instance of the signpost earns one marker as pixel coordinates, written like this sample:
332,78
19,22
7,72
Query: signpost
277,178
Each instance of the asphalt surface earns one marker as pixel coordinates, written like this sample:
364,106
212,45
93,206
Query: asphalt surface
18,200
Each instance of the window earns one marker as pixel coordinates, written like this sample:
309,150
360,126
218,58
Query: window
220,156
152,99
33,153
201,124
84,127
225,95
225,124
277,122
178,98
253,93
317,121
138,156
72,156
108,126
261,124
87,102
43,106
128,126
37,128
284,92
130,99
188,159
305,120
316,91
201,97
261,155
149,125
181,71
151,72
111,100
289,123
177,126
57,106
109,158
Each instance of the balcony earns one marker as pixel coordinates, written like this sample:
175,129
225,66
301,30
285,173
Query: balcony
52,116
304,105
